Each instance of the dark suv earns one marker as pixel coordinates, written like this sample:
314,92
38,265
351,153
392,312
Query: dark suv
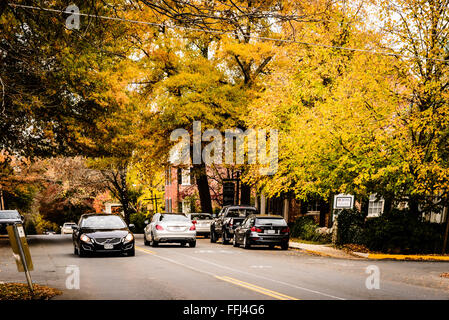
229,218
9,217
262,229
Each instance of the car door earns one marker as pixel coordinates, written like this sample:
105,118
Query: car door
240,231
76,231
152,224
219,221
249,225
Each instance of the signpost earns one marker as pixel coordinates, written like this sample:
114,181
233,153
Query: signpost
21,251
342,201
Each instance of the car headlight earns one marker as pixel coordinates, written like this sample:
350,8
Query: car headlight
85,238
129,237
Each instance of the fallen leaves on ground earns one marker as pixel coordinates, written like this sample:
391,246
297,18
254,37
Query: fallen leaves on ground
445,275
355,248
20,291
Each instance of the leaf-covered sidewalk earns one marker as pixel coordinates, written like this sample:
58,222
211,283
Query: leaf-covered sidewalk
20,291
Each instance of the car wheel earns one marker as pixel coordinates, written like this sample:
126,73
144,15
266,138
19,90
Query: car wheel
75,251
183,244
213,236
82,253
284,246
246,243
154,243
271,246
192,244
234,241
145,241
225,237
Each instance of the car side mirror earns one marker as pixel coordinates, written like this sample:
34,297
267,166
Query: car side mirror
131,225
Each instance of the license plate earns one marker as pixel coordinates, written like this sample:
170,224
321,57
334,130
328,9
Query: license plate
270,231
109,246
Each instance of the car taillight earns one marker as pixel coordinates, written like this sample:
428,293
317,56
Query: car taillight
285,230
192,228
254,229
158,227
194,221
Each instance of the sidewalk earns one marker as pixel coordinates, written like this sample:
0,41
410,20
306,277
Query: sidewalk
325,250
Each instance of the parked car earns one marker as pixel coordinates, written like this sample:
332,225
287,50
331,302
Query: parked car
169,228
262,230
50,232
66,228
102,233
9,217
202,223
227,220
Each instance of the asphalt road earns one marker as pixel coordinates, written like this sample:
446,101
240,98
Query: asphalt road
216,271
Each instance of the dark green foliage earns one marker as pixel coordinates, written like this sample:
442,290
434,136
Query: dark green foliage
30,227
398,231
305,229
401,231
138,220
350,227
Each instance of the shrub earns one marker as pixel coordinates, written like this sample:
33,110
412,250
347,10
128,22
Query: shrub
401,231
305,228
30,227
398,231
350,227
138,219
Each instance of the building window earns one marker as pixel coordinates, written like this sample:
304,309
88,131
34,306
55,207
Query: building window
168,205
168,176
375,206
185,179
186,207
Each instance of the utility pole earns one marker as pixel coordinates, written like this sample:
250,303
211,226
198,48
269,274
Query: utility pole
445,214
2,204
153,201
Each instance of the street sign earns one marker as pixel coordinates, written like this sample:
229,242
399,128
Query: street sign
228,193
343,201
21,251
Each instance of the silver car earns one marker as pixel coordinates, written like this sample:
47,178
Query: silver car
67,228
202,223
169,228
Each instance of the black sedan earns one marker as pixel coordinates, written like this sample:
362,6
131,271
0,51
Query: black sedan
268,230
102,233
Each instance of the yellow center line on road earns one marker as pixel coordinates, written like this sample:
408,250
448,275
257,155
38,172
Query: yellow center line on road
258,289
237,282
145,250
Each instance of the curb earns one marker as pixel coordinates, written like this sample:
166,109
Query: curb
297,246
401,257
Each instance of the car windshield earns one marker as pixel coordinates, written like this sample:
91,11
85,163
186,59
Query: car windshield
201,217
271,221
68,224
234,213
9,215
103,222
173,217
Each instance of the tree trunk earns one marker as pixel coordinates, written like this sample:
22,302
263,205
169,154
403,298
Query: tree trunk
413,204
3,6
202,184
